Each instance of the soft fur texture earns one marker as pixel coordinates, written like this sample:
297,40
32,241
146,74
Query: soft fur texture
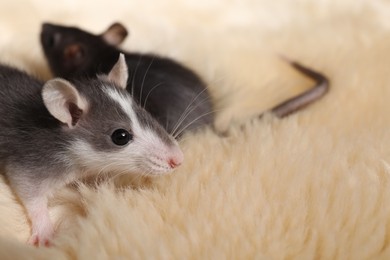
315,185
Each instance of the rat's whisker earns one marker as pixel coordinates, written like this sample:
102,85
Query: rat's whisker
143,80
185,113
193,121
134,75
179,123
150,91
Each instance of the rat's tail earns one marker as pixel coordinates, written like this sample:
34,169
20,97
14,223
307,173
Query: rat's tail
300,101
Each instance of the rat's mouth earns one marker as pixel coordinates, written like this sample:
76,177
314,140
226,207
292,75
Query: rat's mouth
159,166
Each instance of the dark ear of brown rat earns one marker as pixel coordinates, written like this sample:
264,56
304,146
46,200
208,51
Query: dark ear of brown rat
74,53
115,34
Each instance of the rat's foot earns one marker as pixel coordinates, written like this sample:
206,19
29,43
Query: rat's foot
42,230
42,234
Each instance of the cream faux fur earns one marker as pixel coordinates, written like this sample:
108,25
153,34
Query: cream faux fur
315,185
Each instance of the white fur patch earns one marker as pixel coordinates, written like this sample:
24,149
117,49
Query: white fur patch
146,136
126,103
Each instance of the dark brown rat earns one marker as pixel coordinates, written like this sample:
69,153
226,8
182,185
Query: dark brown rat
175,95
172,93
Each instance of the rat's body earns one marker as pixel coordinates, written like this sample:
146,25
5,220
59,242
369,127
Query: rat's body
55,133
172,93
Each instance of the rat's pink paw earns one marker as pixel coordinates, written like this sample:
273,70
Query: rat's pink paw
42,230
43,237
36,240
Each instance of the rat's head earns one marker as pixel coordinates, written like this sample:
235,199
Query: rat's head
107,130
72,52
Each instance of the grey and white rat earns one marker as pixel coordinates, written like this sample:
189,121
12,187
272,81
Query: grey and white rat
175,95
54,133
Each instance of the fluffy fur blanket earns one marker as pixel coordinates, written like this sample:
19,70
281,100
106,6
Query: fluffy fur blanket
315,185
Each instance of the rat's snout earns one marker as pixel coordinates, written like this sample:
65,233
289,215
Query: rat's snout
176,160
164,159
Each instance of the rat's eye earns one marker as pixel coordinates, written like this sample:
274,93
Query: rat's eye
121,137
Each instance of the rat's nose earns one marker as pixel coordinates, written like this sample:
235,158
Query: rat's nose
174,163
176,160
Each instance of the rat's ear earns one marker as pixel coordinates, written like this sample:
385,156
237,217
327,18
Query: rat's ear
74,53
118,73
63,101
115,34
